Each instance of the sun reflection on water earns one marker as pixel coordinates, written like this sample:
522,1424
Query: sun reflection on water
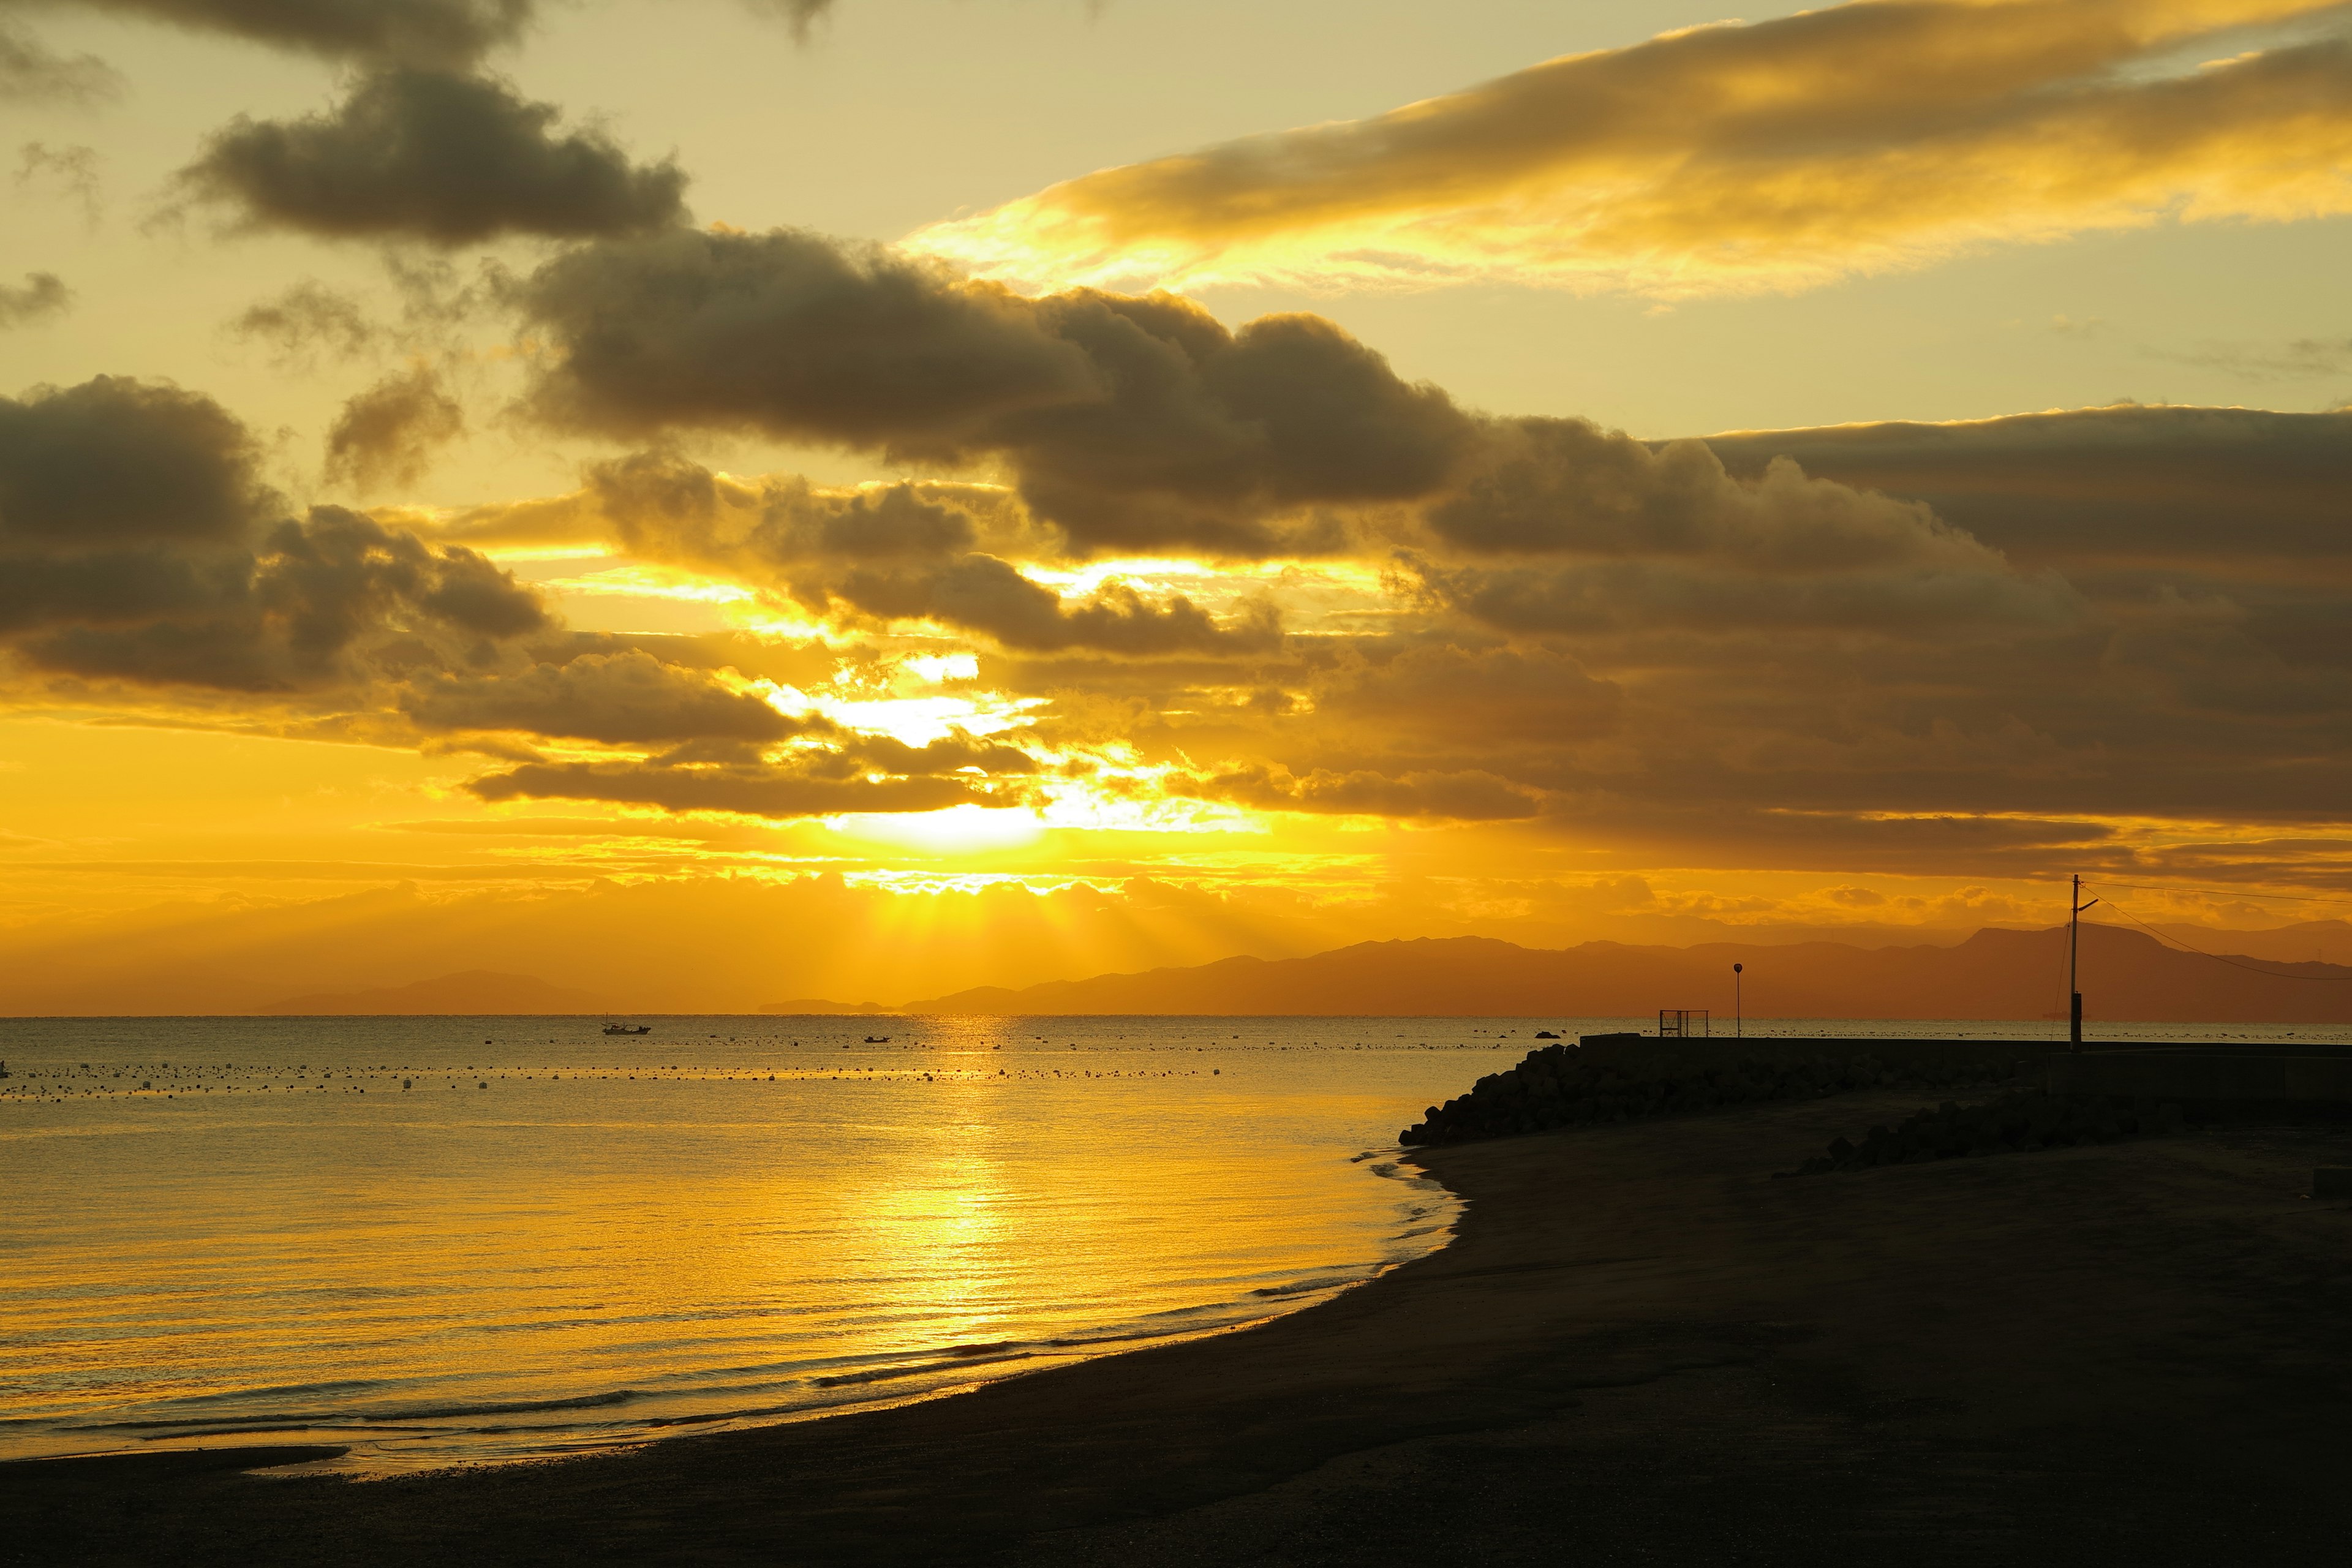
440,1240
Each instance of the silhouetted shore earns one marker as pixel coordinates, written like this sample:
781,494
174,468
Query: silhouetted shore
1642,1348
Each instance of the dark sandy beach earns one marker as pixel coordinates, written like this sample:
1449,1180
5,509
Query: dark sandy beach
1641,1349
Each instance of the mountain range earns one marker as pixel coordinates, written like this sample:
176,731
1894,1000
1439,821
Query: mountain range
2126,976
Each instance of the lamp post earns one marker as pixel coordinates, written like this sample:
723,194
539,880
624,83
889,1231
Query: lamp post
1739,1017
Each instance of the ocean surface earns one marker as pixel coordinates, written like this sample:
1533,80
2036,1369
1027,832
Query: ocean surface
451,1240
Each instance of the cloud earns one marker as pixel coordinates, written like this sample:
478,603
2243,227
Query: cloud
1781,155
952,754
137,543
305,319
1444,692
984,594
1921,604
791,334
42,295
1129,423
1468,795
440,33
1666,536
389,433
281,618
621,698
423,32
801,15
1872,635
73,168
745,789
450,159
2100,489
1566,486
115,461
2299,360
30,72
896,554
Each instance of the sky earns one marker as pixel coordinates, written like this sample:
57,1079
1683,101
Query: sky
858,500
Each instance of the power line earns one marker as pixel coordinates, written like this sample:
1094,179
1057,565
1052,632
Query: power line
2228,892
2273,973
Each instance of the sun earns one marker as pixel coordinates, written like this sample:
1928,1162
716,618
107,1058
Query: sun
959,829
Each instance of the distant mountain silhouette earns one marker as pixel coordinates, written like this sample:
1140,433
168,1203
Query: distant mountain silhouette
2127,977
818,1005
470,990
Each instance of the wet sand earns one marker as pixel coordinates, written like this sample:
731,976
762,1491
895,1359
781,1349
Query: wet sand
1641,1349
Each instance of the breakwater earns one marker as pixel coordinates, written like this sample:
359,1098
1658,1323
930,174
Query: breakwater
1626,1077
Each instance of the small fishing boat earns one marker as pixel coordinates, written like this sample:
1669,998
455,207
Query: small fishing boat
625,1029
878,1039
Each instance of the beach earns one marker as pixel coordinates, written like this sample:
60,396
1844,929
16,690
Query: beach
1641,1347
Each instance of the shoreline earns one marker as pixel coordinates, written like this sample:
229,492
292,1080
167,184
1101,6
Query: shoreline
1636,1341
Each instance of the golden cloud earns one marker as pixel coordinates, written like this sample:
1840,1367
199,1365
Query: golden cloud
1862,137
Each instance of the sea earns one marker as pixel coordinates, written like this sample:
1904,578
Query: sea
441,1241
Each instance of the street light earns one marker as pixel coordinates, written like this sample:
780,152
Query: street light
1738,1022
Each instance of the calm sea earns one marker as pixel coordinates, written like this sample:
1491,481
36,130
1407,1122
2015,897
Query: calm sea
446,1240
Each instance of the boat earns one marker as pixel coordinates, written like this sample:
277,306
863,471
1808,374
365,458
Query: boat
878,1039
625,1029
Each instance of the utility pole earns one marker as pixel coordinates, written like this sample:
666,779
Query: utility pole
2075,906
1738,1023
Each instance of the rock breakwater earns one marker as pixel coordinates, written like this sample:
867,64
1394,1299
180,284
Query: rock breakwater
1552,1088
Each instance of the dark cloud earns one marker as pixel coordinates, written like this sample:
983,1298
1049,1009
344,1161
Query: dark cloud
31,72
1455,696
1468,795
792,334
42,295
621,698
2208,545
308,319
983,594
1918,603
1610,532
803,664
115,461
1129,423
896,554
745,789
425,32
1568,486
137,543
2101,488
450,159
389,433
284,616
442,33
952,754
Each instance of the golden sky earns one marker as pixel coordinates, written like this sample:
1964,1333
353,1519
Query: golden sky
860,500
